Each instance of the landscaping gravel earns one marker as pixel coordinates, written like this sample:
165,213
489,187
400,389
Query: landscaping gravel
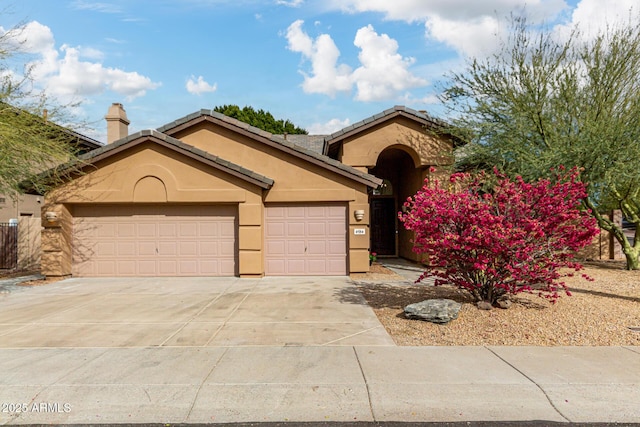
599,313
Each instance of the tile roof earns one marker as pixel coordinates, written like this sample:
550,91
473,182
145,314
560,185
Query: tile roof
314,143
178,145
277,142
423,117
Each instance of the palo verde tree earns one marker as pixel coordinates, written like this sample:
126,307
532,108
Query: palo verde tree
30,142
546,100
261,119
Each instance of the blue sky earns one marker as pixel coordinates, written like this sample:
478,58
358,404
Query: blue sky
322,64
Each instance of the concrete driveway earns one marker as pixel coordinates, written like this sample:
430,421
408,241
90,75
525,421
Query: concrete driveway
195,312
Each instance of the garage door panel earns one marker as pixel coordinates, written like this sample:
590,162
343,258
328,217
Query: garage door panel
125,268
295,266
227,249
275,229
317,212
334,264
188,230
126,249
126,231
293,212
317,247
106,230
187,268
275,267
167,248
154,240
227,267
276,248
168,267
187,249
295,247
335,248
295,229
208,249
316,229
168,231
227,230
336,229
306,239
317,266
108,248
145,249
106,268
146,230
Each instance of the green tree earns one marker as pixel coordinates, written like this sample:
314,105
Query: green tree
29,141
261,119
543,101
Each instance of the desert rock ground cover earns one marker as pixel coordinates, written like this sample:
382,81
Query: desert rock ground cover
602,312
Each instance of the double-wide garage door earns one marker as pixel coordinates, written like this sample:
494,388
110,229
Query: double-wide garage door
168,240
305,240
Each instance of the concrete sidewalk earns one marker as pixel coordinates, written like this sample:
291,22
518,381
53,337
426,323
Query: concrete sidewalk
339,384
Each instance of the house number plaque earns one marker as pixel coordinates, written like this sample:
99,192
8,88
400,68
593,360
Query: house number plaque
359,231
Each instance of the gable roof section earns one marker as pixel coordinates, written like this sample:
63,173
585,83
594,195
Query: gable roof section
397,111
314,143
180,147
270,140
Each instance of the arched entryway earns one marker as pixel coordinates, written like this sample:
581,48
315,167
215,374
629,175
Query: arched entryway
402,178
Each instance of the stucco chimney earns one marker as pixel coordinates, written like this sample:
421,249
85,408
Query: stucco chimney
117,123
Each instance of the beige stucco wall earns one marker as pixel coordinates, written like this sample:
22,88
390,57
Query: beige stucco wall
25,205
150,173
364,148
296,180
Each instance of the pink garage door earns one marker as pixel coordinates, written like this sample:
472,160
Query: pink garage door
306,240
154,240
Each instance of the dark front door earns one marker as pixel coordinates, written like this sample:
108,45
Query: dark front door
383,226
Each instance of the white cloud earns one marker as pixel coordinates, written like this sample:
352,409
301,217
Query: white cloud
384,72
95,6
591,17
326,76
199,86
113,40
471,38
75,77
91,53
329,127
382,75
73,72
469,27
290,3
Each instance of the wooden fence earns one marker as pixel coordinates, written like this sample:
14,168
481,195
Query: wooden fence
8,246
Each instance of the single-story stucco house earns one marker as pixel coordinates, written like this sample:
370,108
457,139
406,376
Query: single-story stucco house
208,195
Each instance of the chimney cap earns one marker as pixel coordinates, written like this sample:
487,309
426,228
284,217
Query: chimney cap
117,113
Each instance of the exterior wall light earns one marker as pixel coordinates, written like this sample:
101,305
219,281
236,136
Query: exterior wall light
359,214
51,216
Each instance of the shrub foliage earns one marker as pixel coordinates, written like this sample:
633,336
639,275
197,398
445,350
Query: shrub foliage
493,236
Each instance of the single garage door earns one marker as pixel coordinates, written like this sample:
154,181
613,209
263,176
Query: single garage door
306,240
148,240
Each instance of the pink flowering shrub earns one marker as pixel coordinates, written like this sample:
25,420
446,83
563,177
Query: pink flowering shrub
496,238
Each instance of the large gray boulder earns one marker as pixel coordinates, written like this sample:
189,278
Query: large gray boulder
433,310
